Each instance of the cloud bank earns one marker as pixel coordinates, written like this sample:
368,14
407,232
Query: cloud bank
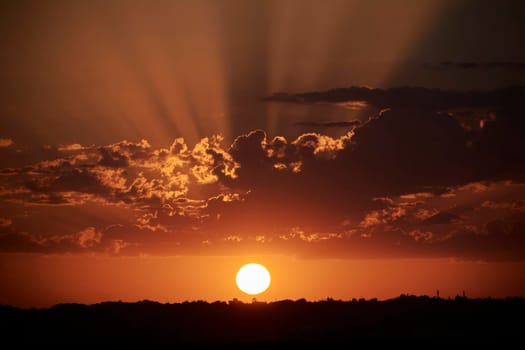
406,183
409,97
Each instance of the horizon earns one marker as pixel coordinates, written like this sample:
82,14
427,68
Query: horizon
254,301
77,280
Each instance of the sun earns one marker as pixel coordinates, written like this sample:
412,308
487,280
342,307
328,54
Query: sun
253,279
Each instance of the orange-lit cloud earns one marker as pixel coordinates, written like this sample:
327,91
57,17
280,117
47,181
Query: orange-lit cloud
406,183
6,142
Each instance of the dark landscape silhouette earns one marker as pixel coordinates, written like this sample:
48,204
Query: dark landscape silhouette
408,318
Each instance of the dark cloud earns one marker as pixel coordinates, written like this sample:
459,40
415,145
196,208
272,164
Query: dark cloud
407,150
409,97
441,218
112,159
4,222
501,239
452,65
518,205
406,183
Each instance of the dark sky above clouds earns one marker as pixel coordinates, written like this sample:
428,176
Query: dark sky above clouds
98,72
326,129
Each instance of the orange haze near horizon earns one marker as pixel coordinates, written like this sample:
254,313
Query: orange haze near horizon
42,281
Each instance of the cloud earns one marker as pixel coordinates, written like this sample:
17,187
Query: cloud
440,218
6,142
4,222
452,65
408,97
497,240
89,237
518,205
406,183
383,216
70,147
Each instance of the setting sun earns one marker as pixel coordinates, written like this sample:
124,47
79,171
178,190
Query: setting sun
253,279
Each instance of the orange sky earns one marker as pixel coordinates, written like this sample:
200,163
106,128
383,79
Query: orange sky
362,148
32,280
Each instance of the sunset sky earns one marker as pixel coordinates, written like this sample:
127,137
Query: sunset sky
365,148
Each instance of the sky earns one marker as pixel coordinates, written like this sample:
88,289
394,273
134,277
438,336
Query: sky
356,148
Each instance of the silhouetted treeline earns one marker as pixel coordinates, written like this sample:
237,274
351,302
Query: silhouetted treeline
404,319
